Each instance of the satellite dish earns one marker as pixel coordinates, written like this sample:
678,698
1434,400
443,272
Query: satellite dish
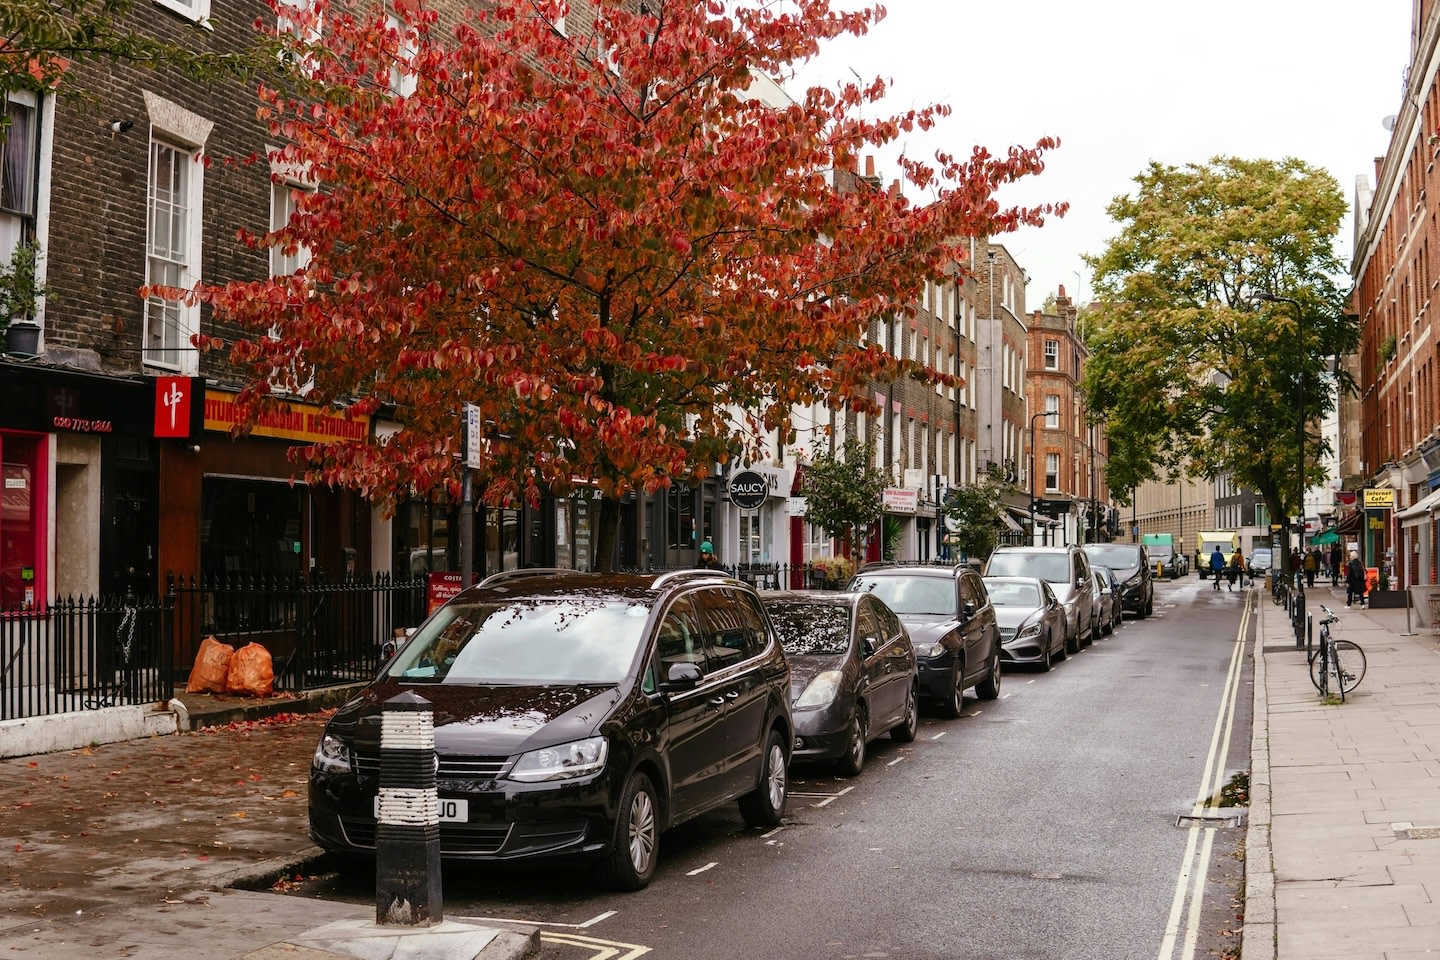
1389,122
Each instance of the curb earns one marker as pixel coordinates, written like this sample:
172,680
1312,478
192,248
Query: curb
309,701
1259,930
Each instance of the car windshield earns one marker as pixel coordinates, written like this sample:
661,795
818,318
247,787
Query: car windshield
1054,567
912,596
1115,556
810,628
570,639
1005,593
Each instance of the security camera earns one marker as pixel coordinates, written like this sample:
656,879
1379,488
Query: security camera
121,126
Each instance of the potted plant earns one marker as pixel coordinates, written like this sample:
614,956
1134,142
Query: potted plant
1382,596
20,291
832,572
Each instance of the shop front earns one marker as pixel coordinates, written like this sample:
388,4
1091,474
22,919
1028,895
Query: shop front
84,459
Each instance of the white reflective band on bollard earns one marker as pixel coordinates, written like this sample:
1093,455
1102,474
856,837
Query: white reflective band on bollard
412,808
407,731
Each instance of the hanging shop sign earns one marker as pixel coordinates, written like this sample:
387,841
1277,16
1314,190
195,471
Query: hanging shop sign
748,490
51,400
1379,498
301,422
899,500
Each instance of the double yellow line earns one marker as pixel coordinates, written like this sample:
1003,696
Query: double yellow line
1183,926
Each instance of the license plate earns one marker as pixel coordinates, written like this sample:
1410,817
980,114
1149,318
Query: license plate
451,811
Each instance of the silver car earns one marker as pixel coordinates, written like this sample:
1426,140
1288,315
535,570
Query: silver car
1032,621
1067,570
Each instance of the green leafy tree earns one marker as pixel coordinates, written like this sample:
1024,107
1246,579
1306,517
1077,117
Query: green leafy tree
41,39
843,493
1190,374
977,507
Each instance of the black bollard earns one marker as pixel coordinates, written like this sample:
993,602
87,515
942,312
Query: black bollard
407,832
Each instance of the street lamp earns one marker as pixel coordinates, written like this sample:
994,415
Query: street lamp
1266,296
1033,518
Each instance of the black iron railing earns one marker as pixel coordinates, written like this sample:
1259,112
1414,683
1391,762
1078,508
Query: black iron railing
319,632
83,654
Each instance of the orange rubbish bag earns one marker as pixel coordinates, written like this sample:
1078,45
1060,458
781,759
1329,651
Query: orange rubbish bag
212,666
252,672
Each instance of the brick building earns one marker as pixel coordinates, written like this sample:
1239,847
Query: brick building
1391,433
1067,479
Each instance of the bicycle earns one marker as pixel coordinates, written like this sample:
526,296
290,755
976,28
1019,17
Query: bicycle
1339,661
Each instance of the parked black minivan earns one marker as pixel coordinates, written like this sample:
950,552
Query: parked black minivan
576,717
1131,564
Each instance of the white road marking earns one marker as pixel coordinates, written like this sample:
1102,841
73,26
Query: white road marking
767,836
604,949
938,735
540,923
699,870
895,761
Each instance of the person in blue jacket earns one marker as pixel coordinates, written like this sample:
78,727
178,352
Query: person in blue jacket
1217,566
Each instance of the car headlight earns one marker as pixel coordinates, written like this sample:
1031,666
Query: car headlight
565,761
936,649
331,755
1029,630
821,690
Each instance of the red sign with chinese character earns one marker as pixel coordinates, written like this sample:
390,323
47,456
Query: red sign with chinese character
172,406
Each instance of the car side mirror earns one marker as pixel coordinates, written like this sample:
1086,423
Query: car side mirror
867,647
968,608
682,676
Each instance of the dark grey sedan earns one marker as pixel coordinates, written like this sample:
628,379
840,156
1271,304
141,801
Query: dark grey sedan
1031,618
852,674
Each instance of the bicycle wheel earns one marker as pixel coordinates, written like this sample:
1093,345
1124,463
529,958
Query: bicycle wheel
1349,665
1320,670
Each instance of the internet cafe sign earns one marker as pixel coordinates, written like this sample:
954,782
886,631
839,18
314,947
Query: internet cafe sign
1379,498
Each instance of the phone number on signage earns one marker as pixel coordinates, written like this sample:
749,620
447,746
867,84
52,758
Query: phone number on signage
83,426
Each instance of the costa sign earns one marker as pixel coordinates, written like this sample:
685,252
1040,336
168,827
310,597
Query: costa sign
748,490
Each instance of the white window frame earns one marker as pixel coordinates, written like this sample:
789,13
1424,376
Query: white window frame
184,134
402,83
1052,411
1052,354
197,11
1052,472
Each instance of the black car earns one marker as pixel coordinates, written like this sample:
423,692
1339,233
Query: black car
1130,562
951,623
852,674
576,716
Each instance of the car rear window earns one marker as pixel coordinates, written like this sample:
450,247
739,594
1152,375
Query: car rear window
1054,567
1117,556
810,628
1014,594
912,596
526,640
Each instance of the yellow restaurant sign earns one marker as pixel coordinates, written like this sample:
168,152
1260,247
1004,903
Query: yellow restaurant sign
1379,498
302,422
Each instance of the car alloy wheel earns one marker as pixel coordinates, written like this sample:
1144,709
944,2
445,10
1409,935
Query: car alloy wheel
765,805
910,722
988,688
955,700
853,760
631,863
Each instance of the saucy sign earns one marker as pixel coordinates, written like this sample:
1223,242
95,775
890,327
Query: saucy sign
748,490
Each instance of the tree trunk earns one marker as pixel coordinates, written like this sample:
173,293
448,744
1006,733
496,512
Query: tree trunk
607,535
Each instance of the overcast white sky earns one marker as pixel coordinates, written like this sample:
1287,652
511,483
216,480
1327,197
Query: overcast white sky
1124,82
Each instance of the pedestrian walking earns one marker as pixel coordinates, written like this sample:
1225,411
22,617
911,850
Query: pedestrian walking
1354,580
707,559
1337,560
1237,569
1296,563
1312,566
1217,566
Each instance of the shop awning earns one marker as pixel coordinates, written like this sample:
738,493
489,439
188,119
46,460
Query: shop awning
1325,538
1351,522
1421,512
1009,522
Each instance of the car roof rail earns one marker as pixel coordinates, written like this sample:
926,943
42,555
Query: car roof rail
516,574
878,565
698,573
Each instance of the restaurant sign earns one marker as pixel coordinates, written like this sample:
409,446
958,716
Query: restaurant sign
302,422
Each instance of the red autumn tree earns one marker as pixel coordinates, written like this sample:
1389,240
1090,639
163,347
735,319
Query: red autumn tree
600,234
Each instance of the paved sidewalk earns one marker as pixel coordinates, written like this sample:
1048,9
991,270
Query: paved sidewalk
1343,846
135,850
